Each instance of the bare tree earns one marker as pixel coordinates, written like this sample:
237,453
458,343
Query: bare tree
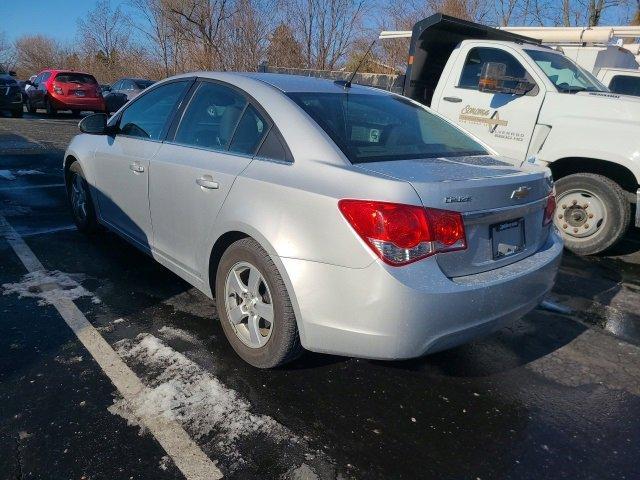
200,25
7,52
153,21
104,32
37,52
327,28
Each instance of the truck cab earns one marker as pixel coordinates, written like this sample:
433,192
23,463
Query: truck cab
533,104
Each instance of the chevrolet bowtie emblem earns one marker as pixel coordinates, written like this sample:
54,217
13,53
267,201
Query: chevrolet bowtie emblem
520,193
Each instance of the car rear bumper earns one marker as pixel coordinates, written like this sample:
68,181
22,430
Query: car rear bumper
77,103
393,313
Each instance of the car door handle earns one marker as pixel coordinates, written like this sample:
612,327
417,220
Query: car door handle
206,181
136,167
452,99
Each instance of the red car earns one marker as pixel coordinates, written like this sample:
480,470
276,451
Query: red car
64,90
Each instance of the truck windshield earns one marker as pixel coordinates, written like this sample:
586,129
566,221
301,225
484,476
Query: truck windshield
566,75
377,128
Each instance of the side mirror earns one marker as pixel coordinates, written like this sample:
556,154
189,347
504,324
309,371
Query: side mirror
12,73
94,124
28,82
494,76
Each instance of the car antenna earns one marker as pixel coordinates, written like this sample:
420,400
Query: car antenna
347,84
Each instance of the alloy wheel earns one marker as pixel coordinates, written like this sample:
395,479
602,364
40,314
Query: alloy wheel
249,304
79,198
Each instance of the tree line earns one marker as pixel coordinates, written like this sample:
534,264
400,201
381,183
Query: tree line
159,38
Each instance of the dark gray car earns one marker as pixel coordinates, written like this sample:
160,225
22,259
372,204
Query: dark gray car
10,94
124,90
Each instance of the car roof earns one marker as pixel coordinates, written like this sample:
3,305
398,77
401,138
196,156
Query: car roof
287,83
298,83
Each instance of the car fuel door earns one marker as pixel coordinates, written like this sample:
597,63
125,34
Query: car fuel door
505,121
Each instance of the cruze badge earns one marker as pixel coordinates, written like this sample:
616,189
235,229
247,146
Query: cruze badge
457,199
520,193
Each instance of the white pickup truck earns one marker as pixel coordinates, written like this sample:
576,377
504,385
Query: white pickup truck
533,104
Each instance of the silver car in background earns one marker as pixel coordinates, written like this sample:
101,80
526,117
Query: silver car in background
337,219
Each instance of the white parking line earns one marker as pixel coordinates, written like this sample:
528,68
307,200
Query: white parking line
185,453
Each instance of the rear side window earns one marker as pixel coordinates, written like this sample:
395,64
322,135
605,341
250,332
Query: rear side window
273,148
377,127
477,57
210,119
249,132
625,85
75,78
147,116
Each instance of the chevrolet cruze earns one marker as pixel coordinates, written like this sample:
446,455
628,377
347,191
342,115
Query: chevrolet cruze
320,215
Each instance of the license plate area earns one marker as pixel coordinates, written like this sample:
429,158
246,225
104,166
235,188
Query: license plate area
507,238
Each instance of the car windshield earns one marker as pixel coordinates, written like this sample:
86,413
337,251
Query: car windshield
142,84
75,78
376,128
566,75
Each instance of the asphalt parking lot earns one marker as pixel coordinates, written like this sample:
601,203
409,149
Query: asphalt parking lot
554,395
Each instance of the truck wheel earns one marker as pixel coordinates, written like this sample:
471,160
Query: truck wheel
31,107
17,113
254,306
592,213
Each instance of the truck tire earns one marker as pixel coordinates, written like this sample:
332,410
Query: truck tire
17,113
241,303
51,111
593,212
31,108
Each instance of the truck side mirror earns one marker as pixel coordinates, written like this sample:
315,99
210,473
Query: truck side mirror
493,77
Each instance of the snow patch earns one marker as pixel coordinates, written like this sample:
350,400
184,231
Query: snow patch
184,392
49,287
172,333
11,174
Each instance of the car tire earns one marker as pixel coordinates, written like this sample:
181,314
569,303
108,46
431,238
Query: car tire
51,111
281,340
30,107
80,201
17,113
604,221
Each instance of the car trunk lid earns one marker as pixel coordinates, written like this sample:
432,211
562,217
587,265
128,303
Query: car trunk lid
502,206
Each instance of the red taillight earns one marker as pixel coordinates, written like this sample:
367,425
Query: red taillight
400,234
57,89
549,210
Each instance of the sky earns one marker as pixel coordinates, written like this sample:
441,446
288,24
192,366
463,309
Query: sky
55,18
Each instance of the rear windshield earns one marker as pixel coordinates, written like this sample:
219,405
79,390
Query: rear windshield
625,85
75,78
377,128
142,84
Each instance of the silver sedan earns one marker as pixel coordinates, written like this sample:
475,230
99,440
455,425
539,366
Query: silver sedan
321,216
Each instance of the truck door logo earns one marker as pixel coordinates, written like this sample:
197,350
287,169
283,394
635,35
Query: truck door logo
481,116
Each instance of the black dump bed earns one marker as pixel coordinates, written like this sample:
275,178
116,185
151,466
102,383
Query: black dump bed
432,41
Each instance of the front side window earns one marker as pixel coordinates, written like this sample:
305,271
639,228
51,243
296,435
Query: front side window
477,57
376,127
565,75
211,117
625,85
148,115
